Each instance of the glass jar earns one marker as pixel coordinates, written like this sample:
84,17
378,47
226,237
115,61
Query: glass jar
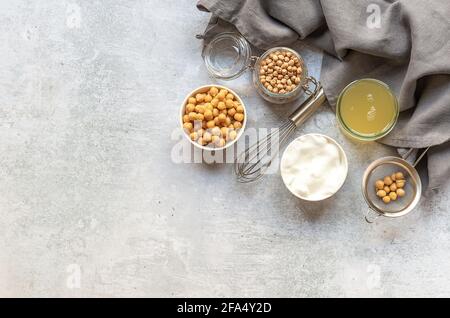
275,97
367,109
228,55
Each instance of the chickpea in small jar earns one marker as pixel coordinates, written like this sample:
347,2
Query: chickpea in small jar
213,118
281,72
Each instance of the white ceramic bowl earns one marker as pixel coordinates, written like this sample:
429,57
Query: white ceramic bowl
204,89
341,182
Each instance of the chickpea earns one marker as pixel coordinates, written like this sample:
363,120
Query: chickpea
192,116
379,184
200,117
188,126
229,103
231,126
224,111
239,116
201,141
237,125
208,98
222,94
399,176
194,136
230,96
192,100
216,131
240,109
221,142
381,193
224,131
232,135
222,117
400,183
210,124
387,189
200,109
393,177
213,91
186,118
393,187
227,121
231,112
387,180
215,139
386,199
215,112
207,136
393,196
200,98
216,121
221,106
190,108
209,106
208,115
215,102
401,192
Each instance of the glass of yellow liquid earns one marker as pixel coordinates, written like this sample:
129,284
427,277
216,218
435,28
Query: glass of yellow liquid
367,109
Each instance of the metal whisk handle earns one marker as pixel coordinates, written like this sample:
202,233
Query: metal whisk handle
309,107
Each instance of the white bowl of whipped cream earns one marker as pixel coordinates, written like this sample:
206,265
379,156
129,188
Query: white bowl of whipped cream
314,167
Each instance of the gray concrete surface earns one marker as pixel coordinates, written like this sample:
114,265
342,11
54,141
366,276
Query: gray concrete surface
92,205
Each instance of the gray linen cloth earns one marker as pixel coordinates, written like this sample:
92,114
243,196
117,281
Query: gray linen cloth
404,43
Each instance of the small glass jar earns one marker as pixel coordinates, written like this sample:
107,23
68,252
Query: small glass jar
228,55
367,109
275,97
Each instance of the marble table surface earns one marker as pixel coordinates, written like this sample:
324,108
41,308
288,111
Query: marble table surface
92,203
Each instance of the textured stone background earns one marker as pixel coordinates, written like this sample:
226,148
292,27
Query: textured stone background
89,96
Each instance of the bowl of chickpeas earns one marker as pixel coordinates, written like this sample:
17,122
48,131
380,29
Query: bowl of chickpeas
213,117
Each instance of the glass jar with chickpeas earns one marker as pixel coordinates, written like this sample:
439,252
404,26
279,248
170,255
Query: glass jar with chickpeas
279,74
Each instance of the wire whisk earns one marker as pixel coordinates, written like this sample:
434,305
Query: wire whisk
255,160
